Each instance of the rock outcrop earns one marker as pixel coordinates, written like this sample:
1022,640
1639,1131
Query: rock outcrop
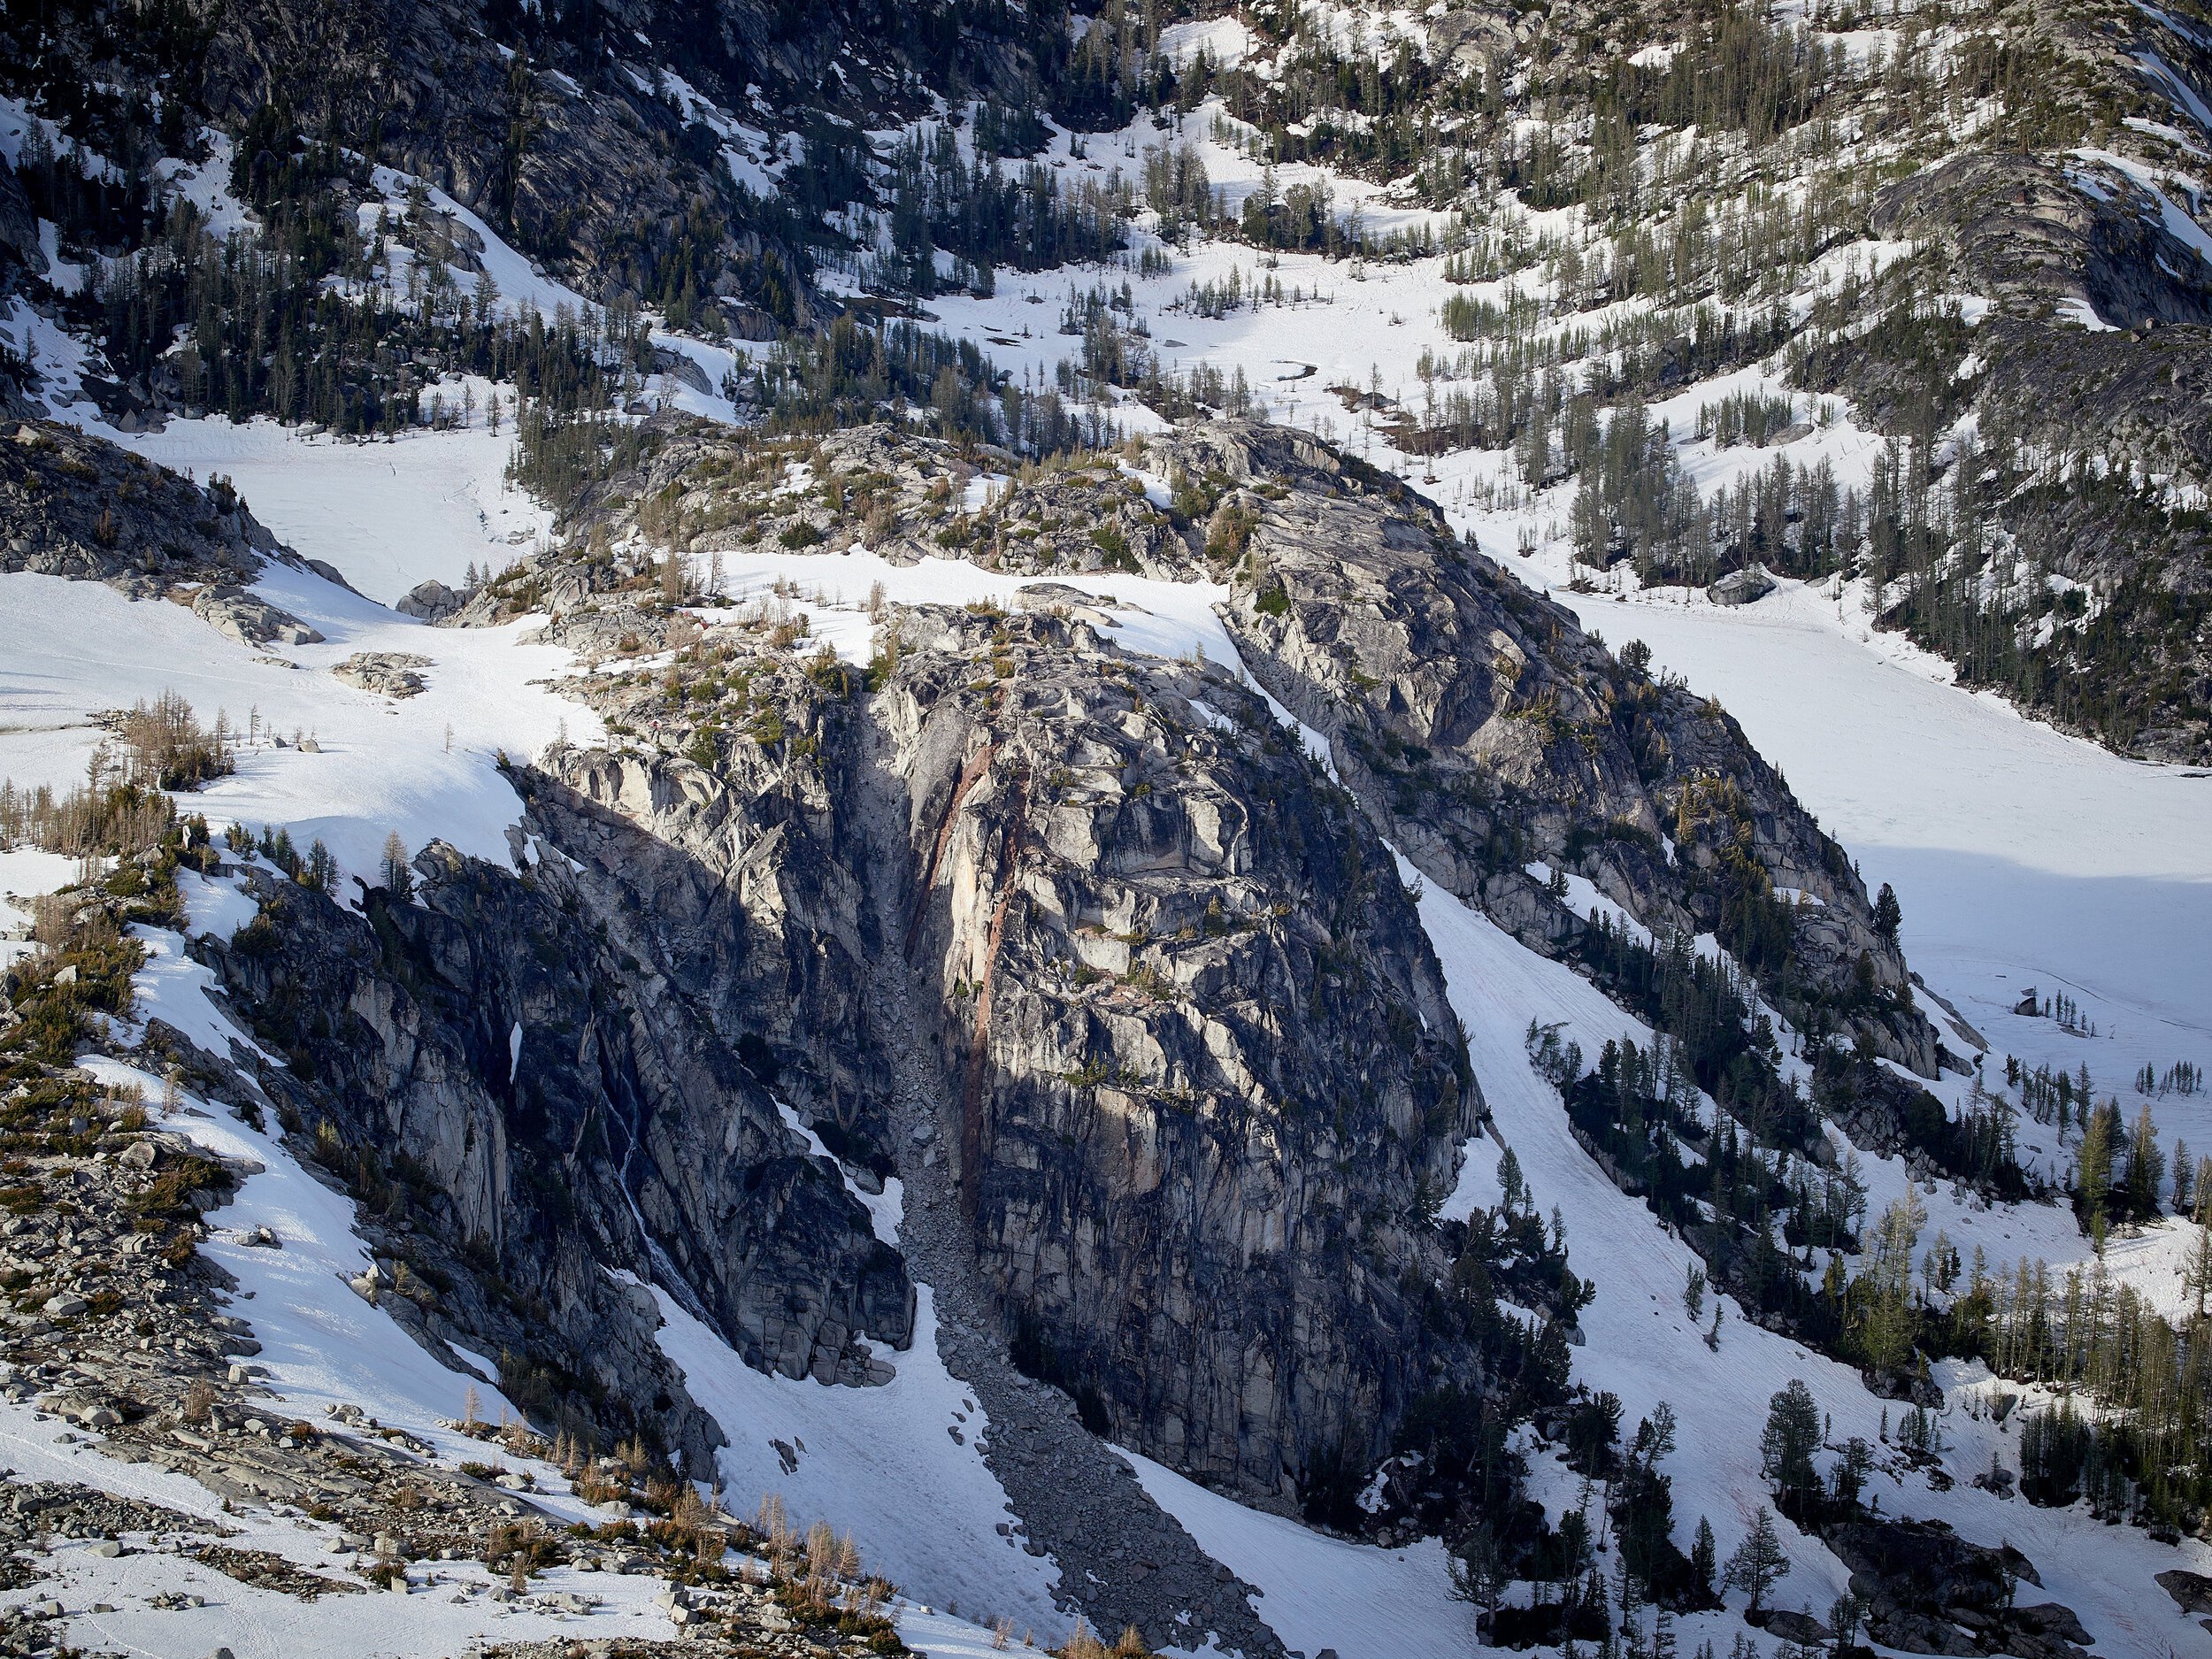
1484,730
1158,941
1203,1061
1745,586
431,600
387,673
237,615
74,505
561,1110
1929,1591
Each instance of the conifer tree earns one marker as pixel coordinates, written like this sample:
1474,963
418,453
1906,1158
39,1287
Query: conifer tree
399,880
1791,1438
1759,1562
1704,1556
2145,1166
2093,1178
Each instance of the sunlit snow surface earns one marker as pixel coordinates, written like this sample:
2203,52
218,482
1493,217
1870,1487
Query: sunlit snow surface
389,515
70,649
875,1460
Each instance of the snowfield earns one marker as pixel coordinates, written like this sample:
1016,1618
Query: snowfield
1321,1591
390,516
69,649
923,1507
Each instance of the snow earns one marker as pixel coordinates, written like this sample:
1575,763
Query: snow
257,1623
1160,618
484,1367
1321,1591
2185,96
2153,182
55,358
921,1505
26,873
1226,41
68,648
213,907
2020,856
1642,1346
206,185
389,515
322,1343
520,282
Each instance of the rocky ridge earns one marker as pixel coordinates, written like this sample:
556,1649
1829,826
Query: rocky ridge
1484,730
74,505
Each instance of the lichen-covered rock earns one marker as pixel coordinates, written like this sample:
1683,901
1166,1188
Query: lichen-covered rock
237,615
387,673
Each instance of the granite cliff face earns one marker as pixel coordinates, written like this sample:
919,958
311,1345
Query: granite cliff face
1152,940
741,881
1209,1088
550,1109
1192,1071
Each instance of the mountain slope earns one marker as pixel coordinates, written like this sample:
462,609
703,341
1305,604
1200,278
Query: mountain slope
1022,905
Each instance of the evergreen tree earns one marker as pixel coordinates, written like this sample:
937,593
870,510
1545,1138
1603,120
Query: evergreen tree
1786,1447
1704,1556
399,880
1759,1562
1887,916
2145,1166
1479,1573
2094,1166
1846,1614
